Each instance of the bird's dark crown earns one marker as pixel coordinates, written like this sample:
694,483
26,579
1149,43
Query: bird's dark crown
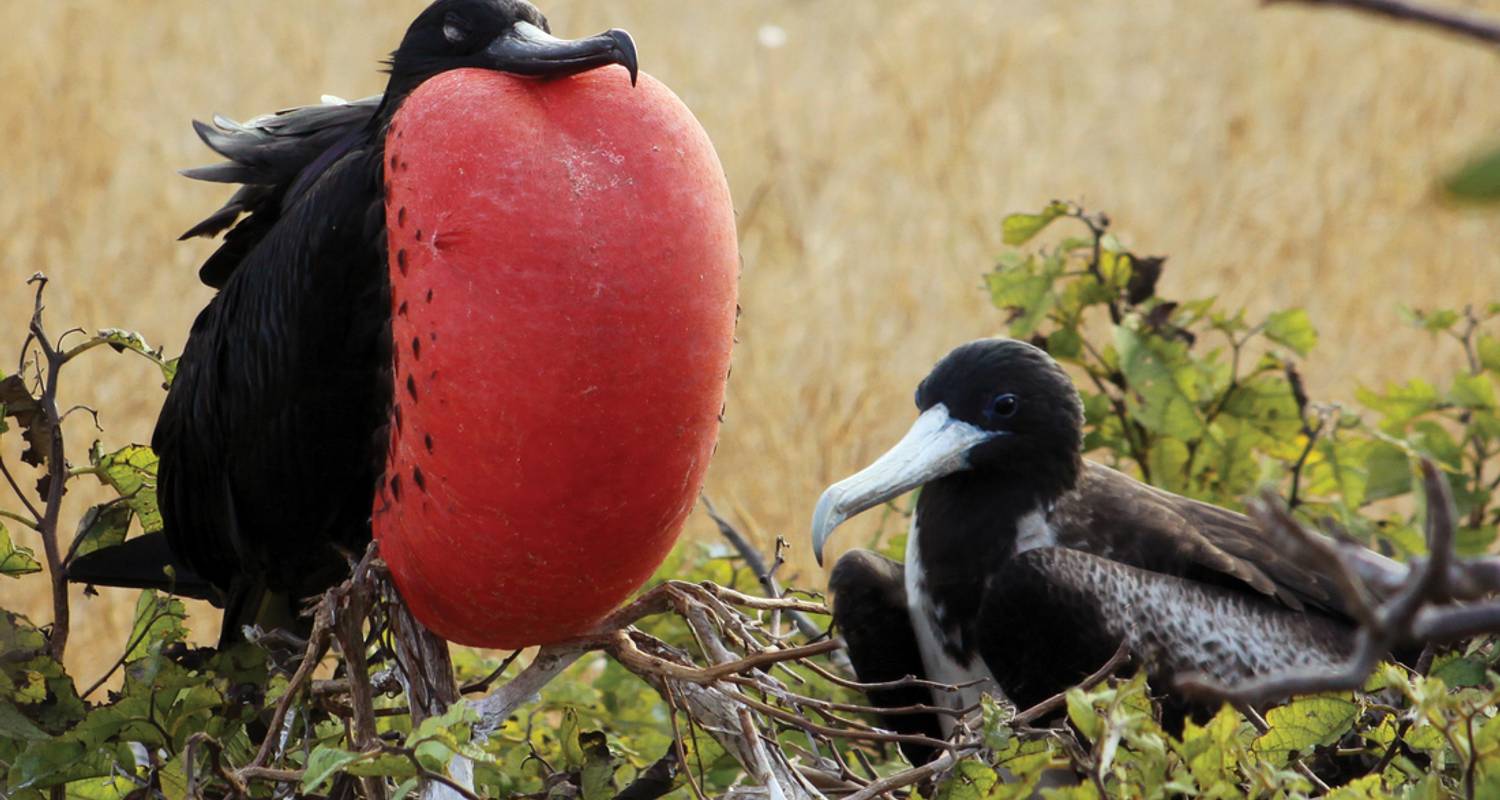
451,34
1012,388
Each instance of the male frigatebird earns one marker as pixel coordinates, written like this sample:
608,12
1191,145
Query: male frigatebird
1027,566
274,433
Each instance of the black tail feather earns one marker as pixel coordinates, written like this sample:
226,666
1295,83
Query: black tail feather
145,562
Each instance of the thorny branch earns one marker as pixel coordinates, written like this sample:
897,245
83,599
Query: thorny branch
1416,606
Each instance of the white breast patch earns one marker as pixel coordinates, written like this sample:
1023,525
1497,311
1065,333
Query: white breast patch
939,665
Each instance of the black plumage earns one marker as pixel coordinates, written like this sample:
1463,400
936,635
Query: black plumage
1028,565
273,435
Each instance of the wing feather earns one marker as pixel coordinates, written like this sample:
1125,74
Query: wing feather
1115,516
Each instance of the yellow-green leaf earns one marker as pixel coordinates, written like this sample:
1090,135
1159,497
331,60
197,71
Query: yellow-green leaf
1020,228
1304,724
1292,328
131,471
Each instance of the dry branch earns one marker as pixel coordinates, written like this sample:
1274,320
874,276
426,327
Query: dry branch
1418,609
1468,25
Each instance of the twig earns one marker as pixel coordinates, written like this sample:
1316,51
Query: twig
914,775
317,645
16,487
129,648
1042,709
910,681
677,741
484,683
57,477
1302,768
765,575
1467,25
1411,614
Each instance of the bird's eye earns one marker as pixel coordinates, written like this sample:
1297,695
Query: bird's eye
1003,406
455,28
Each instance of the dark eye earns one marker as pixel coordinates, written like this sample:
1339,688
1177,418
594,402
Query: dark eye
1004,406
455,28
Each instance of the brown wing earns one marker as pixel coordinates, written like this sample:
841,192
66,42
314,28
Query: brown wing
1113,515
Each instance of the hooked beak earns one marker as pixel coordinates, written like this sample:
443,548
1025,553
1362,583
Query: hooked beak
526,49
936,445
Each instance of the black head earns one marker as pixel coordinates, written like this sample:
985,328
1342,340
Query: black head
996,409
1018,393
505,35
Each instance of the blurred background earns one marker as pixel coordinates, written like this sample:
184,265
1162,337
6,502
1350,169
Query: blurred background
1280,156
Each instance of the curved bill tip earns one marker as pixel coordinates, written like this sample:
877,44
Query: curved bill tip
826,517
528,50
625,47
937,445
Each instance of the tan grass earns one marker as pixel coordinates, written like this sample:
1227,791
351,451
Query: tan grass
1281,156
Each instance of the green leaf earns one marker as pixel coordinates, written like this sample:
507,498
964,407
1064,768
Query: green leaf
597,779
1065,344
1165,384
1026,291
323,762
102,526
1431,321
972,779
1304,724
1081,712
122,340
15,725
1213,750
158,619
1020,228
1472,391
1488,349
568,734
1459,671
131,471
1478,180
406,788
173,778
16,560
115,787
1399,403
1292,328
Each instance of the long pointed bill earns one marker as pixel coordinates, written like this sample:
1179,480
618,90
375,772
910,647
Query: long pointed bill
936,445
528,50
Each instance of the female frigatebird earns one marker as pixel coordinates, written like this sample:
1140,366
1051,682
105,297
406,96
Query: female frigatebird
274,433
1027,566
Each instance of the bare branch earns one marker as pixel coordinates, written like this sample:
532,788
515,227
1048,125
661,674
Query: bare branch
1418,610
1467,25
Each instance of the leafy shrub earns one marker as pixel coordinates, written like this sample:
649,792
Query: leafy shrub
1197,399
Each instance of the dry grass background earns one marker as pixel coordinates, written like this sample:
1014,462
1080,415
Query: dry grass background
1281,156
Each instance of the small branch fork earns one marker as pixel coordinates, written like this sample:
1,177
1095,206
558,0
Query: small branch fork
1436,599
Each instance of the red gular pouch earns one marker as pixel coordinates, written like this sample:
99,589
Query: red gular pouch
563,285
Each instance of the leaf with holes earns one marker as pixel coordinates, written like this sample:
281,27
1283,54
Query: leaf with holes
158,619
1305,724
122,340
102,526
15,560
131,471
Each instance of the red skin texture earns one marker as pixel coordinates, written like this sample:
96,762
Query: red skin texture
563,324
